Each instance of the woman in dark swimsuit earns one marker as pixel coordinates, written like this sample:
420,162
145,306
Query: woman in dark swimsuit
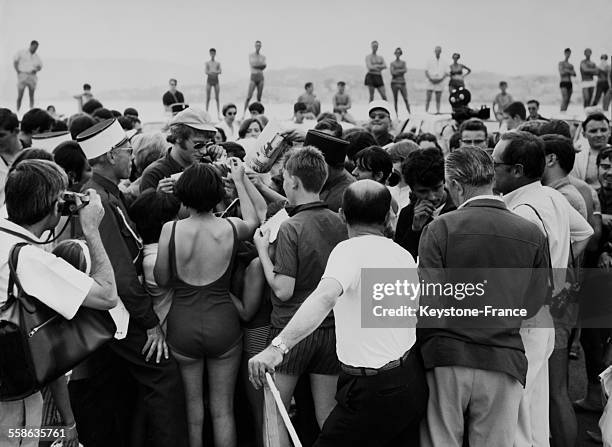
195,258
457,74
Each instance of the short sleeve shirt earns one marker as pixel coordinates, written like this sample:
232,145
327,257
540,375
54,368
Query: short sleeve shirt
162,168
303,245
27,62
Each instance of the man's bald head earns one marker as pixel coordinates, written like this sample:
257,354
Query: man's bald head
366,202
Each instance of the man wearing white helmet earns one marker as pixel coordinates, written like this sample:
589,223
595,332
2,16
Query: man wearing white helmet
380,122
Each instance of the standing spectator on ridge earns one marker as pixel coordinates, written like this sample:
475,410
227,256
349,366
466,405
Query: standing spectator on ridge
373,79
588,71
172,96
501,100
566,71
27,64
342,103
456,73
436,72
603,83
398,80
213,70
313,105
83,97
257,62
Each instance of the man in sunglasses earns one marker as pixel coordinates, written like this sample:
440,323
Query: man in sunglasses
380,122
192,136
143,354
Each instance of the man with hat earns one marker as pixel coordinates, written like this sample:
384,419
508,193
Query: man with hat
334,150
50,140
380,121
144,351
191,135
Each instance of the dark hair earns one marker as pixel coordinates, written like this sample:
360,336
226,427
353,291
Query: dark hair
299,107
59,125
563,148
454,142
51,106
534,127
86,87
32,189
376,160
341,83
516,108
244,127
534,101
426,136
256,107
556,127
503,83
180,133
36,120
8,120
424,167
34,42
126,123
222,133
212,50
308,84
329,124
172,80
200,187
70,157
566,50
130,111
597,116
150,211
358,139
525,149
71,251
404,136
80,124
91,106
369,207
30,154
226,107
605,154
233,149
102,114
474,125
326,115
117,113
308,164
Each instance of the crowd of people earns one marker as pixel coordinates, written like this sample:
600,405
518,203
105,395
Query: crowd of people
178,228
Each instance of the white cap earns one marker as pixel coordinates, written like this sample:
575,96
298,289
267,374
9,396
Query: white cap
101,138
196,119
379,104
50,140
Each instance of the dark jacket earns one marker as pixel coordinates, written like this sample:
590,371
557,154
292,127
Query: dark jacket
483,242
123,247
405,236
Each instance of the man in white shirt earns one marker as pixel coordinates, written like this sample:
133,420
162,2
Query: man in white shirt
436,72
519,160
27,63
34,192
596,128
382,393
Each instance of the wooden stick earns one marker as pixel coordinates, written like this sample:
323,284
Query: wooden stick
283,411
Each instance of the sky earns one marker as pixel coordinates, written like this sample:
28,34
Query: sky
511,37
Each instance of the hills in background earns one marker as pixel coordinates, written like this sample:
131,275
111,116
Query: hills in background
138,80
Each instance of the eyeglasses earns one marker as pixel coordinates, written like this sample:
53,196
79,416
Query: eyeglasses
473,142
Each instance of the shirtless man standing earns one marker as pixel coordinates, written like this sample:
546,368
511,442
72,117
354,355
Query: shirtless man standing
257,62
588,69
213,70
566,71
375,64
398,81
342,103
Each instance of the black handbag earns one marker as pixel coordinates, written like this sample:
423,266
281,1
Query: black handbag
37,345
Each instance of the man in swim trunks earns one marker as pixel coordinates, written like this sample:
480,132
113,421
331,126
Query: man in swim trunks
373,79
588,69
257,61
436,72
603,86
311,101
342,103
566,71
213,70
398,81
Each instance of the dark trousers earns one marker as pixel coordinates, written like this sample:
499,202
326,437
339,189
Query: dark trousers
105,403
593,342
381,410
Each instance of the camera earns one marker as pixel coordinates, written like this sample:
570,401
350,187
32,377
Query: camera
69,204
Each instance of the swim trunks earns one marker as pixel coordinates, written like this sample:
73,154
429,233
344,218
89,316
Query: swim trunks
374,80
213,79
257,78
566,85
26,80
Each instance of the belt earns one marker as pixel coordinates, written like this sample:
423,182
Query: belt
364,371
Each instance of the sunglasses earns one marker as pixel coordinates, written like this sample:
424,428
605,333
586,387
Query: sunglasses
378,116
473,142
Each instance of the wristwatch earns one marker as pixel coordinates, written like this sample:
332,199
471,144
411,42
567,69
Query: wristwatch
278,343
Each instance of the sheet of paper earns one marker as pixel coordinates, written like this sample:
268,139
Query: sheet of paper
121,317
274,224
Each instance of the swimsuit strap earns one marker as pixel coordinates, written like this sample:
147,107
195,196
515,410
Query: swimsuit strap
172,253
234,248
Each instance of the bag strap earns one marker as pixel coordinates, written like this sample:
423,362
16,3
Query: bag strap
22,236
550,270
13,278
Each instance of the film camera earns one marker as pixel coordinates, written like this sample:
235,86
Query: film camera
459,99
70,205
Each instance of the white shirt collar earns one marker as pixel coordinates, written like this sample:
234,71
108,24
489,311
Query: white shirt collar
5,223
480,197
527,189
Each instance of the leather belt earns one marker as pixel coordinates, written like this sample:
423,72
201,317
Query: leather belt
364,371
